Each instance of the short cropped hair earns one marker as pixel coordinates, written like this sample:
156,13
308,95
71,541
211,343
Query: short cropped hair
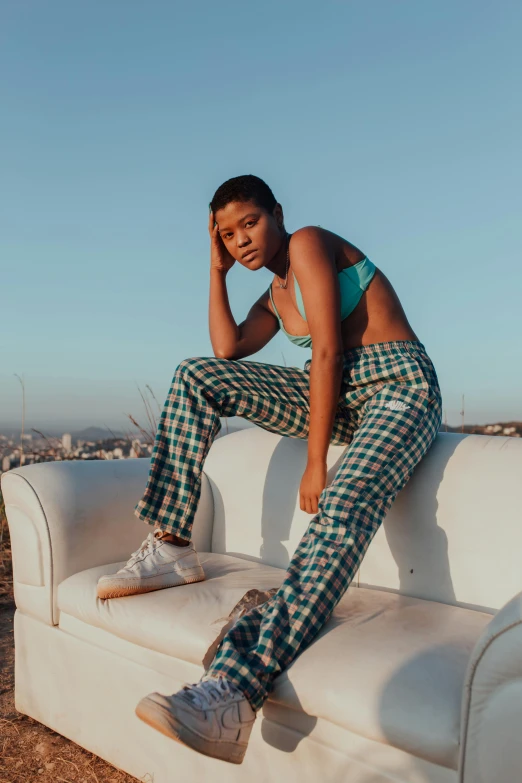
247,187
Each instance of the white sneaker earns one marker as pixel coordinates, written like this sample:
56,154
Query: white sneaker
212,716
155,565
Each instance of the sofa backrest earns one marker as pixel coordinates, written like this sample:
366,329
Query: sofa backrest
453,534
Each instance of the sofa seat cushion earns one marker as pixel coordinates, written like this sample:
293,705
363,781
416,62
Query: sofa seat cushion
179,621
387,667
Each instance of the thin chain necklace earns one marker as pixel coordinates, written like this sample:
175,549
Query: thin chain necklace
281,285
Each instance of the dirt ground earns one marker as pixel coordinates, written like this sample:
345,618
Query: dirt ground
28,750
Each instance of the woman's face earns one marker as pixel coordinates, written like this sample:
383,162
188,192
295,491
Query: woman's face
246,228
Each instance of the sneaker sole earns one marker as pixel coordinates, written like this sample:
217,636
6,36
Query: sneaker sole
120,591
161,719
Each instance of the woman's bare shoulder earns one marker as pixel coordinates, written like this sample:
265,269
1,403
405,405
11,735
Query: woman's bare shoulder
342,250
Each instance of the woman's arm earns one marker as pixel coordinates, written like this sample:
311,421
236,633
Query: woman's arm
235,341
314,268
224,332
230,341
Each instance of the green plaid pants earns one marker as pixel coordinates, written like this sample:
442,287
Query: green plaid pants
388,414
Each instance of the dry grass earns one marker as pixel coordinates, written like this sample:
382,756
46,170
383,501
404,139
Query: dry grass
28,750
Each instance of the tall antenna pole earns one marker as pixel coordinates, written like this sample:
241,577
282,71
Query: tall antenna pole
462,413
22,459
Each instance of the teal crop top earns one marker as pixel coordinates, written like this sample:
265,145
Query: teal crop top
353,281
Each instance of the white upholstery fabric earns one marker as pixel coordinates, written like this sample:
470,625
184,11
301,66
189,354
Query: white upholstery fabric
437,539
401,660
89,694
492,708
454,533
67,516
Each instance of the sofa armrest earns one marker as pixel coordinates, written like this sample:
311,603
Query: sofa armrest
65,517
491,750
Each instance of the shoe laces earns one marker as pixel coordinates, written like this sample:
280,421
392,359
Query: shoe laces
205,693
147,547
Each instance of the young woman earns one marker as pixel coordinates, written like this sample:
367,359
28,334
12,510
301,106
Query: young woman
370,384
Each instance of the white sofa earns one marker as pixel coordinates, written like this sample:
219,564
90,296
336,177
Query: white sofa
416,677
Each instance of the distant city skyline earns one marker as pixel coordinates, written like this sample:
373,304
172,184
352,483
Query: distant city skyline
383,122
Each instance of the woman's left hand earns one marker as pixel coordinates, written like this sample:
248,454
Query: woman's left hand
312,484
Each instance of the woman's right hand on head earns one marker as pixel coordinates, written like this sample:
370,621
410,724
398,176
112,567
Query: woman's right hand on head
220,258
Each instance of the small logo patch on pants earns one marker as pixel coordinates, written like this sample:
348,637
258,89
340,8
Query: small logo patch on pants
396,405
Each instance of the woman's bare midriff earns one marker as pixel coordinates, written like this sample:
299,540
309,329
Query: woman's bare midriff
378,317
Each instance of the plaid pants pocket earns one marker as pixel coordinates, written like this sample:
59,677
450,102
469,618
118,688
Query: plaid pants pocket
326,569
320,555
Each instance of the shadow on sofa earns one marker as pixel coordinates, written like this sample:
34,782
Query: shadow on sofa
285,470
281,485
422,561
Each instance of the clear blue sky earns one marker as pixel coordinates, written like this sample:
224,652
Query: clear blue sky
394,124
